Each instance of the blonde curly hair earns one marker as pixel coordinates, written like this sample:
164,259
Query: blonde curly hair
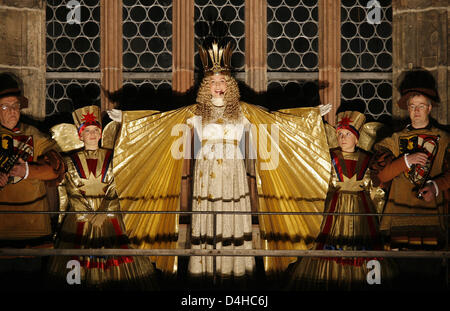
231,98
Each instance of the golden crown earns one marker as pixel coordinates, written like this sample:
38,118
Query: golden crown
215,59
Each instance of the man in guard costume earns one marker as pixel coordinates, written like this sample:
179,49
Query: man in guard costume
29,164
415,160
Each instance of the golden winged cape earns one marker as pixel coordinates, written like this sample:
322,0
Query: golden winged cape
292,173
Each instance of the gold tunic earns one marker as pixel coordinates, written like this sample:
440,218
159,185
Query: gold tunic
89,186
349,192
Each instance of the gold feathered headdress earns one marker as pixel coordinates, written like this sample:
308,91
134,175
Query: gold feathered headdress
215,59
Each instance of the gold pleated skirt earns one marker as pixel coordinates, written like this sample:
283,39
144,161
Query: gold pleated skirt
340,232
103,273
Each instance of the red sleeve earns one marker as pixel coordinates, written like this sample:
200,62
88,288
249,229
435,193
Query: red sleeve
49,167
443,181
385,167
392,170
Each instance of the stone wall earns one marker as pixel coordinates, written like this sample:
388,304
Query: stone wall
420,39
22,38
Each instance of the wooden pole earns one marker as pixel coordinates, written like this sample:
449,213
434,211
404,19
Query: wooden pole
183,45
330,55
110,49
256,45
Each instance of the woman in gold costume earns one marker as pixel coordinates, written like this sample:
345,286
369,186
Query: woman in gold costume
290,148
89,186
220,179
349,192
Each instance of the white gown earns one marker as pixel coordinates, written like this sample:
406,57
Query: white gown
220,184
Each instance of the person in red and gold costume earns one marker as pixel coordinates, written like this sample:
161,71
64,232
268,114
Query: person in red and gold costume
350,191
29,166
89,186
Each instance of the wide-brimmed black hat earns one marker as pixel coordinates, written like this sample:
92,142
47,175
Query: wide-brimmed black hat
9,86
417,81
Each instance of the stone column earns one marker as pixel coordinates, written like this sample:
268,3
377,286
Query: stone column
22,41
183,45
256,45
330,54
110,49
420,39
